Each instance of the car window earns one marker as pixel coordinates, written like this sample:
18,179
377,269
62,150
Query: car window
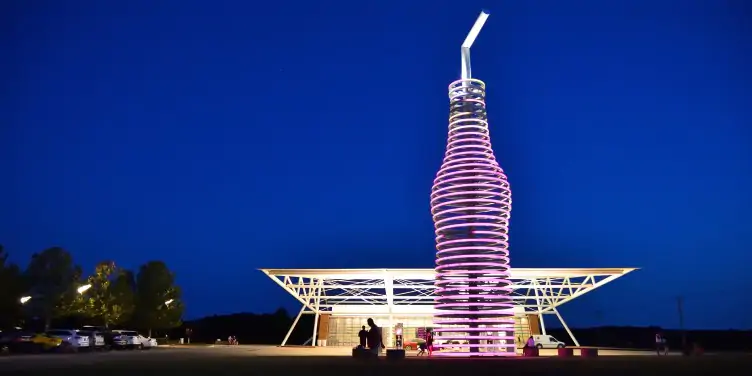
128,333
84,333
552,339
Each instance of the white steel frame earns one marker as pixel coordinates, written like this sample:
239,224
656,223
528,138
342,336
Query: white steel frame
536,291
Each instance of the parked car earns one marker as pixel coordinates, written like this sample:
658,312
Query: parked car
413,344
547,342
106,334
131,339
70,336
26,342
96,339
149,343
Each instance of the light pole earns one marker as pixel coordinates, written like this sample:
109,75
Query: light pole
680,308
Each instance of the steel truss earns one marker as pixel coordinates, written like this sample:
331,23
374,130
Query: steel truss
536,291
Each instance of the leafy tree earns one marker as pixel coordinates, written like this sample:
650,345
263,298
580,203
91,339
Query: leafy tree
124,296
130,278
158,304
110,298
11,290
53,279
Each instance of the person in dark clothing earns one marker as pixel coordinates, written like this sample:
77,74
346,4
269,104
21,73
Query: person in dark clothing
363,335
375,341
429,343
423,347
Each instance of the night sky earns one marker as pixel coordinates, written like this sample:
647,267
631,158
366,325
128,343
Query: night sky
222,137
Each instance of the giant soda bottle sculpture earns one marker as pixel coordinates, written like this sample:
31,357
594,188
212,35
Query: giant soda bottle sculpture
471,204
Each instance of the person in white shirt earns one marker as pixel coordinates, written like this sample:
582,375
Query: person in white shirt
661,345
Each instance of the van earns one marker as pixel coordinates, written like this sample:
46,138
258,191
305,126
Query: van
547,342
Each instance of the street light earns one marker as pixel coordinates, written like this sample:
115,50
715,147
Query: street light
168,302
83,288
80,290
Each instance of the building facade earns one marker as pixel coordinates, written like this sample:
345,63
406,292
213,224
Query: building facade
343,299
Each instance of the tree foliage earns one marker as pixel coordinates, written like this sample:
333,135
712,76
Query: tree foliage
53,279
149,299
158,304
11,290
110,298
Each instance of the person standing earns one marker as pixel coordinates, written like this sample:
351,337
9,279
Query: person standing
664,345
375,341
429,342
530,342
660,344
363,335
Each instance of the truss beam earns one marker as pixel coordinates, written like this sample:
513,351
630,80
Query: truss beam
349,291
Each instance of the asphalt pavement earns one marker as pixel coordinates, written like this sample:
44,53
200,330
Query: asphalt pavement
271,361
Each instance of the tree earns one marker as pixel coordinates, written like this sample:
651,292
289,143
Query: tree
110,298
53,280
158,304
124,296
11,290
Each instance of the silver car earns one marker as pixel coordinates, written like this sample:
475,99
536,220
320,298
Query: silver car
70,336
96,339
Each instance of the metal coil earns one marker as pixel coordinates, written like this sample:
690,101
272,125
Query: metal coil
471,205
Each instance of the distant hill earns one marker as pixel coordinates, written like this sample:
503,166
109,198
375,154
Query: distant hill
644,337
271,328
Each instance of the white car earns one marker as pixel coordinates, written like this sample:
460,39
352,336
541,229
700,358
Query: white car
130,339
548,342
71,337
96,339
149,342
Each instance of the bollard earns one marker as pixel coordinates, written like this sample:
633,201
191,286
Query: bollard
589,352
394,354
530,352
358,352
565,352
362,353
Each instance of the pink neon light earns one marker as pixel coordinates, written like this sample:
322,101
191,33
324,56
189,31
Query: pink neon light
471,205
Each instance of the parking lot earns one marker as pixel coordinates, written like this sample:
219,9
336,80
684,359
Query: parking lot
269,360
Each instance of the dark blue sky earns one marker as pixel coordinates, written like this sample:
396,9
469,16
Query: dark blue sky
223,137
